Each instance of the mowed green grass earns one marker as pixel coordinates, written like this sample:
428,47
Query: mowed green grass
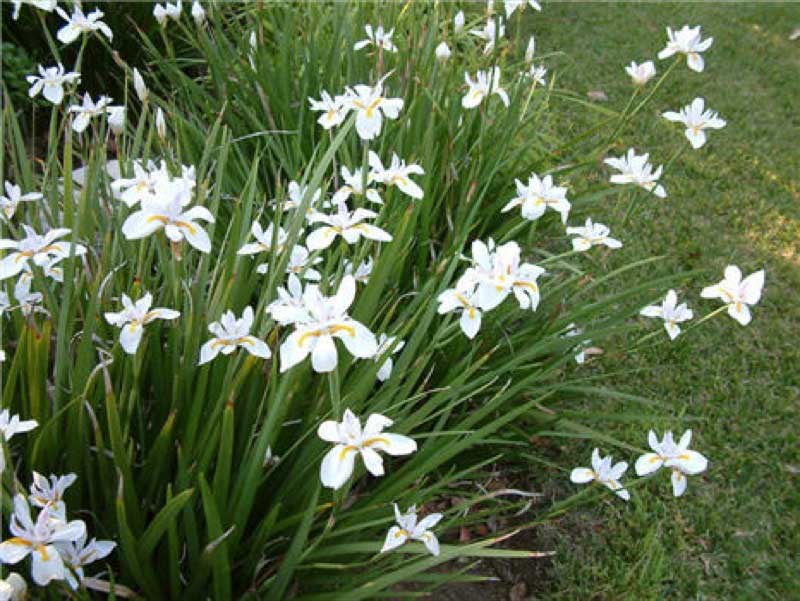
735,533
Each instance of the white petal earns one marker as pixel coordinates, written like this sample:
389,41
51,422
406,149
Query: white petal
197,237
678,483
337,466
470,322
394,538
648,463
295,349
372,461
582,475
47,565
256,347
129,337
320,238
358,340
393,444
329,431
209,351
324,357
13,552
689,462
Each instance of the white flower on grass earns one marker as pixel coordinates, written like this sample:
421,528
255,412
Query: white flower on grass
462,298
490,33
165,211
634,169
264,240
149,182
498,272
231,333
512,5
133,317
45,5
443,52
299,263
38,248
371,106
50,493
344,223
677,457
39,540
350,440
78,24
604,472
13,588
29,302
10,425
687,40
116,119
356,184
485,83
50,82
52,269
14,195
378,38
408,528
397,174
385,343
537,196
86,111
592,234
537,74
362,272
139,86
696,119
322,319
168,11
671,312
289,308
78,553
198,13
295,195
458,21
641,74
739,294
334,110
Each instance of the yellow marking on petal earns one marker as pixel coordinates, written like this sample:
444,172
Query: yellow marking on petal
374,105
42,550
345,450
181,224
530,285
400,532
232,341
16,540
342,328
656,458
462,300
349,330
375,440
311,334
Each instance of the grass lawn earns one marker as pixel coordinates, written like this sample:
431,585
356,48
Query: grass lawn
735,534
